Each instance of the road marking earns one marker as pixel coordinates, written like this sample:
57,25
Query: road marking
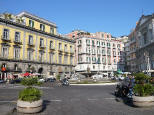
56,100
92,99
110,98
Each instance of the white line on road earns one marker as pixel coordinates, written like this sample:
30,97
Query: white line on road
57,100
110,98
92,99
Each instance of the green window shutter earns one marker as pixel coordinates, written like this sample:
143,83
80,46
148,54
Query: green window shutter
29,22
32,23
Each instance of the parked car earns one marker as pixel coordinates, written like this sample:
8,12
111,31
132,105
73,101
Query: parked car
2,81
41,80
51,78
97,76
15,81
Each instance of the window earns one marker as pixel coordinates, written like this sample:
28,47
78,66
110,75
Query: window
87,59
98,51
88,50
30,55
98,43
41,42
42,27
108,36
65,47
17,36
108,52
16,53
6,34
41,54
5,52
71,60
71,49
94,59
93,42
60,46
98,60
51,30
114,61
113,45
114,53
88,42
103,60
31,23
108,44
51,45
145,38
103,44
66,59
30,40
60,59
79,59
103,51
79,42
93,51
51,57
109,60
118,45
102,35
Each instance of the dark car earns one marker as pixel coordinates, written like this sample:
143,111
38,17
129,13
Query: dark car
2,81
15,81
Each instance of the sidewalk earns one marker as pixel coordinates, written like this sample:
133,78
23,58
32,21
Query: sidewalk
7,108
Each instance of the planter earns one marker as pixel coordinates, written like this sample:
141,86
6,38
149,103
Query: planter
143,101
29,107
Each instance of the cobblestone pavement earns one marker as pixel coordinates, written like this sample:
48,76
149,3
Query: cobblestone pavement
74,100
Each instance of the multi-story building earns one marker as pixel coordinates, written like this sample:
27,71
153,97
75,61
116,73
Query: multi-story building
98,52
145,44
30,43
132,52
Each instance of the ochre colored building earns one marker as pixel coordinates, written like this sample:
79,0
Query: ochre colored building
30,43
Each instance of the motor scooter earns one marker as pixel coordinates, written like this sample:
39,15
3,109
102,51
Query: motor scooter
65,82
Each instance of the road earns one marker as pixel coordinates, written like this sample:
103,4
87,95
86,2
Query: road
75,100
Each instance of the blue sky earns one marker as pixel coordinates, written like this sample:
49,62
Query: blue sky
117,17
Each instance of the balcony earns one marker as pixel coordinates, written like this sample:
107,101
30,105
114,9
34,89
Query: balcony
42,47
66,50
60,49
30,44
52,48
5,39
88,44
71,51
18,42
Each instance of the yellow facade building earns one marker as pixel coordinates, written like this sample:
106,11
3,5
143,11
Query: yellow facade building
30,43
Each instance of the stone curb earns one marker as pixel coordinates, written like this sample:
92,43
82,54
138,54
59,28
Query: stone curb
100,84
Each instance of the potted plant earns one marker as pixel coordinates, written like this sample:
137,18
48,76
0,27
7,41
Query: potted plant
143,90
29,100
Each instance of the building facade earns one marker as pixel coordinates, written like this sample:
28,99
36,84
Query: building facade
145,44
132,52
98,52
30,43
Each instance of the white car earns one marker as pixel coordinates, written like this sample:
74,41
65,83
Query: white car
97,76
41,80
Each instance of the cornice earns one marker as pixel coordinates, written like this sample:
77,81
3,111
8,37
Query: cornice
36,30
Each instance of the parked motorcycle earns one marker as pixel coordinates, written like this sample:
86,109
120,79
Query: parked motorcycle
65,82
